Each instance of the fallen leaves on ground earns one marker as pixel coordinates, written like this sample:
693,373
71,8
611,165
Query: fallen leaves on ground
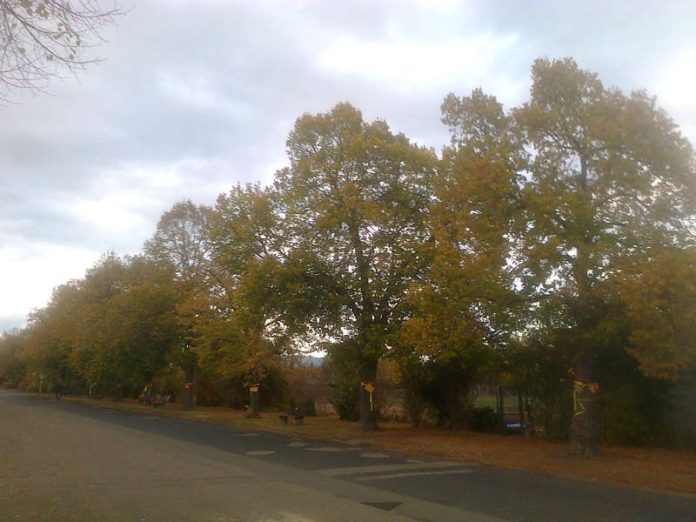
658,469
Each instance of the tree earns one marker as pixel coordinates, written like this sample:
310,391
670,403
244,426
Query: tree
609,178
142,318
181,242
54,332
42,38
12,366
116,325
463,307
354,204
83,308
658,293
242,332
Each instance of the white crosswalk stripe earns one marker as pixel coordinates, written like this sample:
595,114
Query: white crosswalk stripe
386,468
416,474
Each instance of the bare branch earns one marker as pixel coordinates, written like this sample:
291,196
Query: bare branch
40,39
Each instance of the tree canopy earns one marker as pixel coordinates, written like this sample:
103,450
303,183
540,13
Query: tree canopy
355,197
551,244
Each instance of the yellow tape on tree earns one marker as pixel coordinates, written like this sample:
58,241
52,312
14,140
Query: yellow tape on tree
579,387
369,388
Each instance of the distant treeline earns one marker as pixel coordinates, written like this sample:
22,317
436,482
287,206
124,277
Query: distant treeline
549,246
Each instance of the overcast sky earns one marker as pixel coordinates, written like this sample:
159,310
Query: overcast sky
195,96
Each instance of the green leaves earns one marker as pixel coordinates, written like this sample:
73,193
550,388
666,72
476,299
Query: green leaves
354,198
659,297
609,177
565,223
117,323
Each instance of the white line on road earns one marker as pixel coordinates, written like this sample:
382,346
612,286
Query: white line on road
373,455
416,474
381,468
331,449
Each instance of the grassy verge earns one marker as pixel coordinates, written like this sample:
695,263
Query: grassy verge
657,469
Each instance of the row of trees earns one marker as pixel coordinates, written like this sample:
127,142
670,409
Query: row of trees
552,243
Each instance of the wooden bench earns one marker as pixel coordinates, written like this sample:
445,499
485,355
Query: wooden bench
295,415
160,400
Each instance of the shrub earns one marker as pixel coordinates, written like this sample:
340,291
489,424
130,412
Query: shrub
483,418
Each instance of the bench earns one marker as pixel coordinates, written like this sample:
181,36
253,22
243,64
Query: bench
146,396
295,415
160,400
92,394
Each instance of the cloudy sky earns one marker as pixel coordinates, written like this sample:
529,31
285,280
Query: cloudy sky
195,96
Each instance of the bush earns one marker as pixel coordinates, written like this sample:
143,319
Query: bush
341,370
344,397
632,407
483,418
308,408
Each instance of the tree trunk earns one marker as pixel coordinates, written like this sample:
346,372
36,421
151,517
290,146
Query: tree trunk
583,427
368,405
189,371
254,402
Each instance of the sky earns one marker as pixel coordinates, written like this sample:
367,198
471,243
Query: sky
193,97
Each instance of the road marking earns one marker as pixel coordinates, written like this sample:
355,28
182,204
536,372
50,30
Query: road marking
259,453
331,449
386,506
381,468
415,474
297,444
356,442
369,455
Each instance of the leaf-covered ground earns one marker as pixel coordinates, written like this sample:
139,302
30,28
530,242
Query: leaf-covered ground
657,469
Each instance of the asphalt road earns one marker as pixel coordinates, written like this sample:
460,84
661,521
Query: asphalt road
63,461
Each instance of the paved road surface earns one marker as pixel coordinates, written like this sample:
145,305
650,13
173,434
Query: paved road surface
62,461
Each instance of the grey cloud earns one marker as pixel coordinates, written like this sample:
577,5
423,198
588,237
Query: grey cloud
249,69
10,322
624,41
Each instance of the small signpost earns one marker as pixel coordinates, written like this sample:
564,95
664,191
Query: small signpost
254,401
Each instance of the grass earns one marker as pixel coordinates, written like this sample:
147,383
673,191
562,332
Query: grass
655,469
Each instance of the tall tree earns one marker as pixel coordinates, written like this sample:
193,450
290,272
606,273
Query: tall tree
142,317
243,333
181,242
609,177
463,309
355,197
12,366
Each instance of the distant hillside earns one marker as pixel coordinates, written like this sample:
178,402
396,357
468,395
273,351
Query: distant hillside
310,360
